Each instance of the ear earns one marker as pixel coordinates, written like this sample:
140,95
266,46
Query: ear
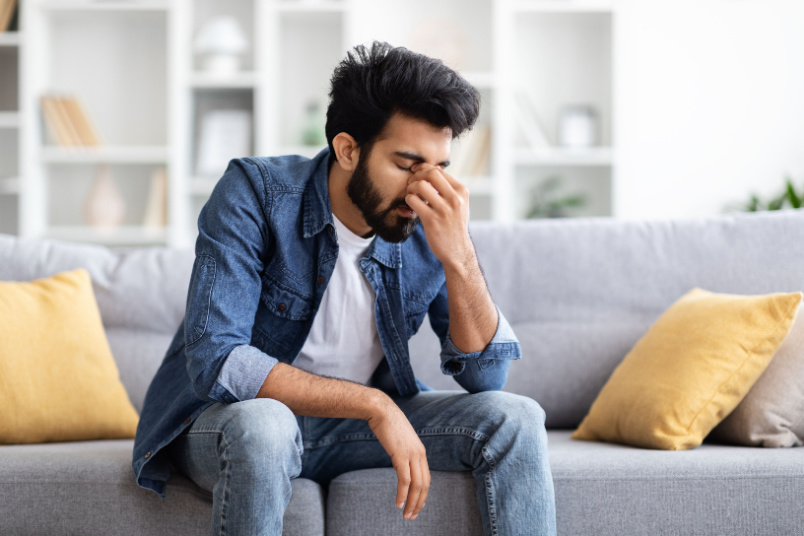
347,151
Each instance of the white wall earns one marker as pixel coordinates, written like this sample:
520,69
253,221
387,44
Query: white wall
709,103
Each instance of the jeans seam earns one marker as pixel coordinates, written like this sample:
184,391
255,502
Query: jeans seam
453,430
225,494
490,492
330,440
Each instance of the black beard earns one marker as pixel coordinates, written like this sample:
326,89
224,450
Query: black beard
367,199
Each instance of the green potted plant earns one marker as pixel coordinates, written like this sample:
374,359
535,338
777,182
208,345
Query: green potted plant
547,202
790,197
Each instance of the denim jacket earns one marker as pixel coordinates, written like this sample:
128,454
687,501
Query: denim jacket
265,251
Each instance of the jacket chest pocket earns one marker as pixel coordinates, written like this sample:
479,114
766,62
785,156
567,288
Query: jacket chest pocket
285,304
282,320
415,312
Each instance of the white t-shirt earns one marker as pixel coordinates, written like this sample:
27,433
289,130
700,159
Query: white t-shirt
343,341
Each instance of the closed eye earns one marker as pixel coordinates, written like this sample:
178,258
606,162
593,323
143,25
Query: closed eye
408,169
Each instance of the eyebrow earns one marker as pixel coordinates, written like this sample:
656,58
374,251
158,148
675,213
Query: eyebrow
418,158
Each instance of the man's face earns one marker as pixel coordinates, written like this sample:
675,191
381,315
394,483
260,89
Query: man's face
379,182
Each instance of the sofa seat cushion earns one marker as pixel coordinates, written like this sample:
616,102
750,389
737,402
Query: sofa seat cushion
360,501
88,488
603,489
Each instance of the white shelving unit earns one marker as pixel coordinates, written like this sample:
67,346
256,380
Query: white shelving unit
133,66
559,53
11,128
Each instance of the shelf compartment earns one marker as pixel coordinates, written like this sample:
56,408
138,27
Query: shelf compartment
106,155
9,152
312,47
9,85
570,63
207,101
9,215
243,11
70,190
595,183
559,156
124,97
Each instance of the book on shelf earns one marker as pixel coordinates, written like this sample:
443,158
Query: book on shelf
473,152
67,122
527,118
8,15
156,205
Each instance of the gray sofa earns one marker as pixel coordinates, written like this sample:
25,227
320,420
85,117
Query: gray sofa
579,293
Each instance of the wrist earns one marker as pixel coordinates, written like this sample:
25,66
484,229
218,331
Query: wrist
462,263
376,405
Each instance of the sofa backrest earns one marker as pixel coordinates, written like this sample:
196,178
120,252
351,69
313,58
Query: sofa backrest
141,294
579,293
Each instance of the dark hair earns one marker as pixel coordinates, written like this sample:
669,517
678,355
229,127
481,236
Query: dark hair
370,85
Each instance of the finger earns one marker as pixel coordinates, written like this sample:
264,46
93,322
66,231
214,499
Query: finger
425,469
418,205
403,482
436,177
452,180
415,488
427,192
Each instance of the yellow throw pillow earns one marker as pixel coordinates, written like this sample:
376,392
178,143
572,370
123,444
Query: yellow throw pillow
58,379
690,370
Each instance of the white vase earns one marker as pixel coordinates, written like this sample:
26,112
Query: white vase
105,206
222,64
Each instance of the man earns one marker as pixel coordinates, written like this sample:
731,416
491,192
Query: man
309,278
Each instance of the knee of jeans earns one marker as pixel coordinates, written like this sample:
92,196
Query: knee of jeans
262,425
514,410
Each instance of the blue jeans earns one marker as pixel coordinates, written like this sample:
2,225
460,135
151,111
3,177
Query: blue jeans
246,454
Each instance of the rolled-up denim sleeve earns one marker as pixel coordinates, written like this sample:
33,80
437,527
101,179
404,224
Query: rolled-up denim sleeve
225,287
486,370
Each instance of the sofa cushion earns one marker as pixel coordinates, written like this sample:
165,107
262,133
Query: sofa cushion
690,370
361,501
606,489
88,488
772,413
58,379
603,489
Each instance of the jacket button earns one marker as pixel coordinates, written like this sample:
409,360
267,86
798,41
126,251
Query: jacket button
320,280
329,228
147,455
187,420
281,307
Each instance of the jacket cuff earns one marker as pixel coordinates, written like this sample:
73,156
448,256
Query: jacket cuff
244,372
504,345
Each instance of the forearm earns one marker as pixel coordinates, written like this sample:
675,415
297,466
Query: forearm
472,314
316,396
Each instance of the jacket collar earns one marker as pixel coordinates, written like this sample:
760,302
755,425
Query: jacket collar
318,213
